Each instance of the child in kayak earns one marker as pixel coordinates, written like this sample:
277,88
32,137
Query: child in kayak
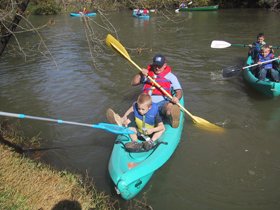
144,119
267,68
255,48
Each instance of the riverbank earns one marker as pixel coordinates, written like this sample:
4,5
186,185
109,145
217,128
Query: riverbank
29,184
26,184
51,7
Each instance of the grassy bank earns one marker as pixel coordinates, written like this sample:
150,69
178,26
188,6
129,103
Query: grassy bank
25,184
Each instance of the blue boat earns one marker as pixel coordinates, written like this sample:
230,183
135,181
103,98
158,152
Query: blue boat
265,87
80,14
141,15
131,171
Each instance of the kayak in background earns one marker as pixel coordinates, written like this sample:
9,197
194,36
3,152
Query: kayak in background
141,14
266,87
80,14
206,8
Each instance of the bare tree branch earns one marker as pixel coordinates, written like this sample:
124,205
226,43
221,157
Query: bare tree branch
7,32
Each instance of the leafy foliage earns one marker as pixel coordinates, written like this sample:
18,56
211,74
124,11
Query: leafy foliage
46,7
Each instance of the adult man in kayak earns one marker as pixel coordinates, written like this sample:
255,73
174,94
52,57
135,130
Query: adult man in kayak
161,73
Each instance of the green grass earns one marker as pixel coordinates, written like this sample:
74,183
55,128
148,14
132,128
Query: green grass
9,199
26,184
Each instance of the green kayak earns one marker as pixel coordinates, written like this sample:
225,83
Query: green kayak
130,171
206,8
265,87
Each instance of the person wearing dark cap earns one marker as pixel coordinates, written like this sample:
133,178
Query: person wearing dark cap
161,73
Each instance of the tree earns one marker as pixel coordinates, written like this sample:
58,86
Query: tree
10,17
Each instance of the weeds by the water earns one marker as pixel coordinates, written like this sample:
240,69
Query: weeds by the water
13,133
25,184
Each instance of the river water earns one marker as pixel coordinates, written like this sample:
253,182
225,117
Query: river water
236,170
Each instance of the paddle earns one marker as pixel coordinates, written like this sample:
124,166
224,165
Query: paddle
105,126
223,44
231,71
115,44
257,64
234,72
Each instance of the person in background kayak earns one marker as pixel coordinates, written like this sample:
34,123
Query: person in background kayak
185,4
83,12
266,70
256,47
161,73
141,12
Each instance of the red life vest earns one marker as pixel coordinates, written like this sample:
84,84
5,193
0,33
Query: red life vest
150,88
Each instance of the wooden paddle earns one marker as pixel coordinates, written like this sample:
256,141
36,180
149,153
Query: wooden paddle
105,126
115,44
217,44
231,72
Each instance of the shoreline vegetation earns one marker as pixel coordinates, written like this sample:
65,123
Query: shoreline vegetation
52,7
28,184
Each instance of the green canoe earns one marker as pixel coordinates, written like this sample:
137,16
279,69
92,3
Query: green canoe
265,87
130,171
206,8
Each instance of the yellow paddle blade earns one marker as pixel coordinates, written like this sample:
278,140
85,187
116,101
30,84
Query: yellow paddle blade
116,44
204,124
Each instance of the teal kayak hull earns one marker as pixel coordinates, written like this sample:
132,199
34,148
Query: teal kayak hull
76,14
265,87
206,8
130,172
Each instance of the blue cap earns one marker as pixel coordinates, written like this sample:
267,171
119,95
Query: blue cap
158,60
